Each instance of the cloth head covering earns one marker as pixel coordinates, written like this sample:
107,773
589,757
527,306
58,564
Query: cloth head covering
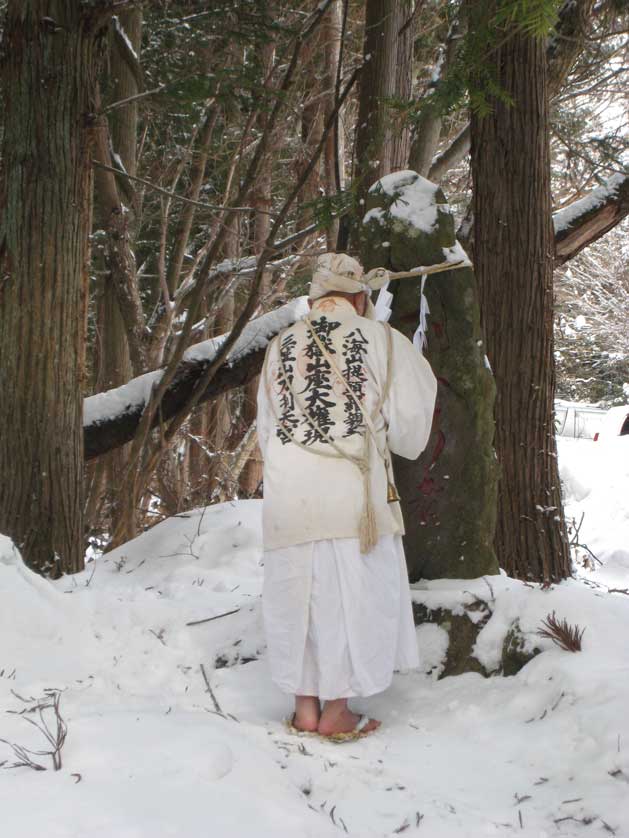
340,272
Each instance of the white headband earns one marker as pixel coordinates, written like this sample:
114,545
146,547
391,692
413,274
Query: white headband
340,272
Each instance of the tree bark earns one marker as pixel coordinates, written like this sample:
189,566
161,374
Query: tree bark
112,217
312,116
116,367
427,132
514,267
334,152
449,157
250,477
49,83
183,230
381,146
218,414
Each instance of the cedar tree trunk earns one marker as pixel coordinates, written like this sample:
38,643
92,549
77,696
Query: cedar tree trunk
513,261
116,367
382,146
49,71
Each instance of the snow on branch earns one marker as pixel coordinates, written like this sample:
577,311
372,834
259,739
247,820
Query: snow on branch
110,419
586,220
126,50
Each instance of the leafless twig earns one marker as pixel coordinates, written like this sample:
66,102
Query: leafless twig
134,98
217,706
87,582
56,738
575,539
167,192
159,635
216,617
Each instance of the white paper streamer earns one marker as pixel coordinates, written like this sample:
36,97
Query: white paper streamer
383,304
383,312
420,339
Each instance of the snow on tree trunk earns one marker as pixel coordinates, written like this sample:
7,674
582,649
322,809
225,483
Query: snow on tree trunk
449,493
514,266
49,73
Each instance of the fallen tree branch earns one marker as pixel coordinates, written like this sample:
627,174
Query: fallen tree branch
586,220
580,223
111,419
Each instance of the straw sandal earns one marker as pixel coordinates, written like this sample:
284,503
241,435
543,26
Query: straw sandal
358,732
289,724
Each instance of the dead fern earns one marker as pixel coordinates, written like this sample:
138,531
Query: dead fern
567,637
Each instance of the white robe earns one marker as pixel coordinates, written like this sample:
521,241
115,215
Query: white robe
337,623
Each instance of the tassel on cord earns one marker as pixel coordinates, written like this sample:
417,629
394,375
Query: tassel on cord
368,529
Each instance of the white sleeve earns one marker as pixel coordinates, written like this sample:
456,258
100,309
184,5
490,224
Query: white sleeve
410,404
264,417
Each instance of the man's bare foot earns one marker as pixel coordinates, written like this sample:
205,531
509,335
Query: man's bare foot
307,713
338,718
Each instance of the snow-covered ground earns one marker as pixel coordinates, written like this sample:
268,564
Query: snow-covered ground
595,476
541,753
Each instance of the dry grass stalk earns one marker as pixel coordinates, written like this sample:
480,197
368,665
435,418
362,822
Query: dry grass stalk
567,637
56,737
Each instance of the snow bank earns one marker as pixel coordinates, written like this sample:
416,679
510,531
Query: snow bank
36,616
9,554
146,755
541,753
120,400
595,479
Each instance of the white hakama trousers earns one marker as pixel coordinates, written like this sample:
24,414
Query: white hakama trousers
338,623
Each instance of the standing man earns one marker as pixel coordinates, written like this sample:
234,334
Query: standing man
338,392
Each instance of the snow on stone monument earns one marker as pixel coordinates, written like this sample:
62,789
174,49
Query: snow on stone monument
449,493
